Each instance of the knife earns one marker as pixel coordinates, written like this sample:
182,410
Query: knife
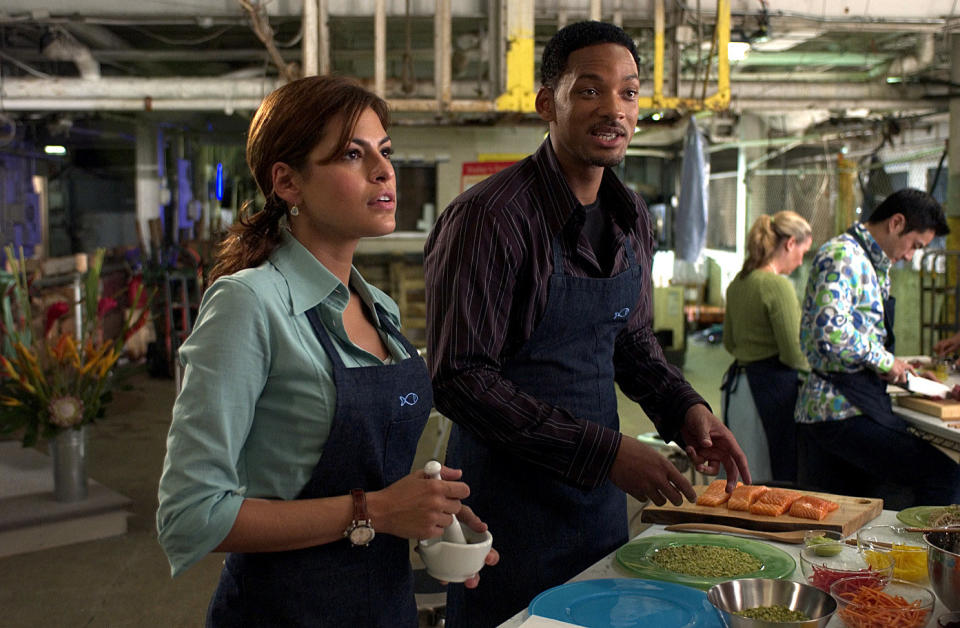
928,387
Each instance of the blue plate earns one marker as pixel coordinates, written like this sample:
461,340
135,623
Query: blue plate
625,602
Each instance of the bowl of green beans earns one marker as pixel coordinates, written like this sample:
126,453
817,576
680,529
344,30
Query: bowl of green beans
771,603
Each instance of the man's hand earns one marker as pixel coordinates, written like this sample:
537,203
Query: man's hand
639,470
898,372
948,345
711,444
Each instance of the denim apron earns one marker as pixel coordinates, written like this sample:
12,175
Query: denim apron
379,415
547,531
774,387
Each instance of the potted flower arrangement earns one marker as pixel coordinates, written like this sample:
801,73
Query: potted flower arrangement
55,382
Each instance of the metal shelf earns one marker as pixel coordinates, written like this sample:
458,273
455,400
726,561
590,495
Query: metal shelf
939,297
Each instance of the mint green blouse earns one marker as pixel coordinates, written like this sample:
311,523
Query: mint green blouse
258,398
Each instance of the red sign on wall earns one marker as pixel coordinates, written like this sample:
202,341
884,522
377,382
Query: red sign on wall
474,172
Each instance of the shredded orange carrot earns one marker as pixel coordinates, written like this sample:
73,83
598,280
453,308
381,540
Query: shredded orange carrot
872,608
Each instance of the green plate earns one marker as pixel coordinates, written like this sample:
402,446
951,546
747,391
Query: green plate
637,558
919,516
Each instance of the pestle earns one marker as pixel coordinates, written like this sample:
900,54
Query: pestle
453,533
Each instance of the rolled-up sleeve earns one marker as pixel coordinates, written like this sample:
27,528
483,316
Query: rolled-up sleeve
225,365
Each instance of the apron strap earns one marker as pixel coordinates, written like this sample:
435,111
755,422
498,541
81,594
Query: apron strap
729,383
324,336
321,333
888,304
391,329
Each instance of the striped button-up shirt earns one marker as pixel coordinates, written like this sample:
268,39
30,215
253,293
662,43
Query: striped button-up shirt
488,263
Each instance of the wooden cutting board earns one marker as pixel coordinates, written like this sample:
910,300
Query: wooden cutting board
852,514
946,409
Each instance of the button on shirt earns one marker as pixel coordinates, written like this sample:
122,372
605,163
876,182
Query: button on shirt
488,264
258,396
842,324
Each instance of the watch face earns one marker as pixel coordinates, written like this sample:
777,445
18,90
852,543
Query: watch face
361,535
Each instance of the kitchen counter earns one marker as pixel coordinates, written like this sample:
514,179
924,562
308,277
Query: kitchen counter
607,567
932,428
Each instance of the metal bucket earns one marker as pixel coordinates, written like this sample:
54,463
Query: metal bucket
68,450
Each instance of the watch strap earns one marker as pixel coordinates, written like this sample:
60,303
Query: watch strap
359,506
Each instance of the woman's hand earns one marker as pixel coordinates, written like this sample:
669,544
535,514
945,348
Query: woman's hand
416,507
468,518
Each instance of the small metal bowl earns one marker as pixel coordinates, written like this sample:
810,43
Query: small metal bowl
739,595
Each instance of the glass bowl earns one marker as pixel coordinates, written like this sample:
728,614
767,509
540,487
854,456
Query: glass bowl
825,563
908,550
896,603
949,620
822,537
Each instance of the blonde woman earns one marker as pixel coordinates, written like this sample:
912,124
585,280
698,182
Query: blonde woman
762,332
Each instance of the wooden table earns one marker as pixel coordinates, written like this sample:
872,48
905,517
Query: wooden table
607,568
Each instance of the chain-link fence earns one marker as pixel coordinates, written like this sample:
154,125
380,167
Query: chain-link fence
830,195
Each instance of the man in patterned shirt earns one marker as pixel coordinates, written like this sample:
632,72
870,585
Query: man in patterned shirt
850,441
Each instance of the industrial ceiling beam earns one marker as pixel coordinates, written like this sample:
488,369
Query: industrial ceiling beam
206,94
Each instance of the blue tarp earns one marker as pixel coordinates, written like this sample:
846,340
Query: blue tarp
690,226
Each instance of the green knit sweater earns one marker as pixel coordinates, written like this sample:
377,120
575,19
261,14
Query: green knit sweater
762,320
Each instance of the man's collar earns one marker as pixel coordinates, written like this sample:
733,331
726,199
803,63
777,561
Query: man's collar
877,256
558,196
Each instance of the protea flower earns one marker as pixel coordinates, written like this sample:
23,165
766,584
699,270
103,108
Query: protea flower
66,411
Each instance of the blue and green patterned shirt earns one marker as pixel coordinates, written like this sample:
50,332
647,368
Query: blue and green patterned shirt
841,328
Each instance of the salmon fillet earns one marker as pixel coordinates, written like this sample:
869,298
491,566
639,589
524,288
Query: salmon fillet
810,507
774,502
744,496
715,494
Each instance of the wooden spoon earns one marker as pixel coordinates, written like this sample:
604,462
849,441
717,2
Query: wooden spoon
790,536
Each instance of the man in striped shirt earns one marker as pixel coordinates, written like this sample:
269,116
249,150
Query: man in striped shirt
539,301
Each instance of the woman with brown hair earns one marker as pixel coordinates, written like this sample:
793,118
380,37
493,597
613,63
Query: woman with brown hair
294,433
761,330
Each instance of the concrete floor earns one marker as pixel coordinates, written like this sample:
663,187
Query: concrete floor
125,580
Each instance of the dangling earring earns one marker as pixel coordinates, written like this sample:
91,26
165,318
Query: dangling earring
294,211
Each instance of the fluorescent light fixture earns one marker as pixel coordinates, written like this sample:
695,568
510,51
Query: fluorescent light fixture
894,79
219,190
737,50
656,117
55,149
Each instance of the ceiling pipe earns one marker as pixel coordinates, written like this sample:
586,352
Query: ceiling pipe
201,94
63,47
919,61
311,38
